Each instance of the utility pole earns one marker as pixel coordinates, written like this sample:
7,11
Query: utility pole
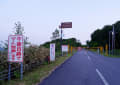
109,42
61,42
113,40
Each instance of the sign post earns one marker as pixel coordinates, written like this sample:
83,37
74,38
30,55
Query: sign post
15,51
61,41
64,25
21,72
52,52
9,76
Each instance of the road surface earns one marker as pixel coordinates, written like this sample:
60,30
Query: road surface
86,68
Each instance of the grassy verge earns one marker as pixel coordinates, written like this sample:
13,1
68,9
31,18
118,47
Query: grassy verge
116,54
113,56
38,74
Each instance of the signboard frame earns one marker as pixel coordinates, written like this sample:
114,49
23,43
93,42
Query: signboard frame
65,25
22,48
65,49
52,51
18,50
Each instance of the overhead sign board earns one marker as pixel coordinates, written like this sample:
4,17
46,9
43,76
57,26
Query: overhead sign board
15,48
52,52
66,25
64,48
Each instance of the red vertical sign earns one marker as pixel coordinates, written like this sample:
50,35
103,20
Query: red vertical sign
15,48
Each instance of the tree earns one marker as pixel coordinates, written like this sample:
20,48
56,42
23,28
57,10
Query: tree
19,29
100,37
71,41
55,35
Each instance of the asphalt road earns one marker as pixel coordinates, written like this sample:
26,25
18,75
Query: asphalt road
86,68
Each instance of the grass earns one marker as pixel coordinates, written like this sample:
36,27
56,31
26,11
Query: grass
37,75
93,50
116,54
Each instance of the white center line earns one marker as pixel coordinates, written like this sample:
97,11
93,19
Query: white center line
89,58
102,77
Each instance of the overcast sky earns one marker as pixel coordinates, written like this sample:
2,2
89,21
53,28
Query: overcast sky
41,17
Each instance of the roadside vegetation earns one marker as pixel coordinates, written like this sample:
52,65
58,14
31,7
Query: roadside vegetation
100,37
103,36
36,64
36,75
115,55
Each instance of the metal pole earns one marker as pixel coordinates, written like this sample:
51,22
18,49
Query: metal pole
109,43
112,39
21,72
61,43
9,70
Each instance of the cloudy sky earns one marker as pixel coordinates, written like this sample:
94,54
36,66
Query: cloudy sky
41,17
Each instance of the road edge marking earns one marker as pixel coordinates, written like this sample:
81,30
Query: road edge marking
102,77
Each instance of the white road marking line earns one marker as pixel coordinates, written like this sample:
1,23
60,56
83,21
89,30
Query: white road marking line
102,77
89,58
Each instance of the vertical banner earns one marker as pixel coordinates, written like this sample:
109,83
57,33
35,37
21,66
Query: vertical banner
15,48
52,52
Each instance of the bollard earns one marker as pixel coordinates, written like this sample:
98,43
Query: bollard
71,49
106,49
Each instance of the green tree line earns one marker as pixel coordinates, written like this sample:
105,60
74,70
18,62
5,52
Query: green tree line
71,41
100,37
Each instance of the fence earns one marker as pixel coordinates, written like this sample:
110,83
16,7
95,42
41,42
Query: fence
15,71
115,52
4,74
111,53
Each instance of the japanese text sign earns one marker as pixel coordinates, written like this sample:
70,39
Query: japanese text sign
52,52
64,48
15,48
